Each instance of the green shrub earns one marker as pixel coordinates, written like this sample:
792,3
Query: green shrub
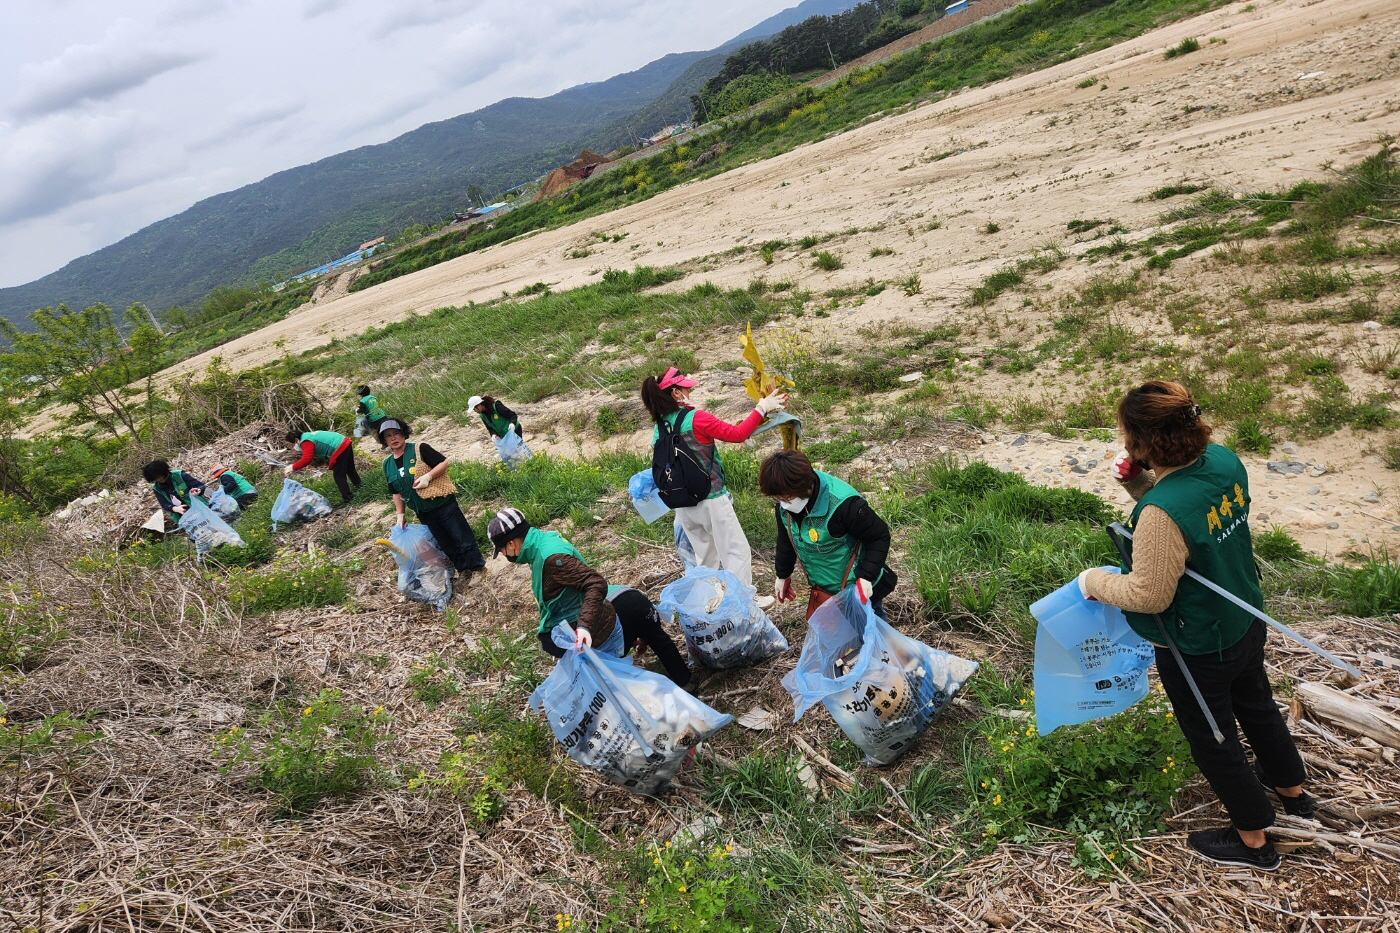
826,261
29,627
688,889
1184,47
304,754
1248,435
837,451
291,585
433,683
1373,589
1108,782
1277,544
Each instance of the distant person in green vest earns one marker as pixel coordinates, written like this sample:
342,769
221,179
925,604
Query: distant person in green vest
828,526
370,410
495,415
411,470
1193,506
567,590
331,448
172,488
236,485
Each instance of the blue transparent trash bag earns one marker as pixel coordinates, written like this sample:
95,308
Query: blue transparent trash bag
563,636
645,498
723,626
684,549
881,687
1088,662
634,727
297,503
222,504
512,450
425,573
206,529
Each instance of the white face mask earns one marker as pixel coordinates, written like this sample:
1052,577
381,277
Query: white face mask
795,505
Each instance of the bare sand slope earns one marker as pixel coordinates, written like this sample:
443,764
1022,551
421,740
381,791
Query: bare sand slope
1289,86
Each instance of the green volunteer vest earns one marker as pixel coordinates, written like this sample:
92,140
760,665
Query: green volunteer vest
372,410
182,488
497,425
707,453
537,548
400,479
824,557
1209,501
240,485
324,442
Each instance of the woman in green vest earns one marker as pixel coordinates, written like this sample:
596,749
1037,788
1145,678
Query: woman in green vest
1193,506
410,470
172,488
331,448
827,525
568,591
370,410
495,415
236,485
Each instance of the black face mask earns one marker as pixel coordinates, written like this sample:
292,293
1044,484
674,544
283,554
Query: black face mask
513,558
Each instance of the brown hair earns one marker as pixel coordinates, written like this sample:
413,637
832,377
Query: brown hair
1162,424
787,474
659,402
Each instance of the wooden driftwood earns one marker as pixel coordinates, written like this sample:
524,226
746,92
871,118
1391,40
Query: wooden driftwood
1351,713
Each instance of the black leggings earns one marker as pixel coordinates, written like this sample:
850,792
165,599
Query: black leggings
640,621
454,535
345,473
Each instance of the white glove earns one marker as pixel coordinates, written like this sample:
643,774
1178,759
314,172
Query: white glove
286,471
402,521
1084,587
512,429
421,482
196,492
582,638
782,590
178,509
1125,468
864,588
774,401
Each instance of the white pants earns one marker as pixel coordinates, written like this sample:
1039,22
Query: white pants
719,542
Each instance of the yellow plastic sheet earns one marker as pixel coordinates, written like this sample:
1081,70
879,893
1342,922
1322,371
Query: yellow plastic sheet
763,382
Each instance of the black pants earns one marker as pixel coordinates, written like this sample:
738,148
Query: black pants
1236,688
640,620
246,500
345,473
454,535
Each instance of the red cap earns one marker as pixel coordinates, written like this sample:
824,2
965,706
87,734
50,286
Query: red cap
675,379
219,470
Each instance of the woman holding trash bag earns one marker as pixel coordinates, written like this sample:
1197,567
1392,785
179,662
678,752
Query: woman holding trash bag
567,590
499,419
172,488
235,484
825,523
417,476
331,448
1193,505
711,525
370,410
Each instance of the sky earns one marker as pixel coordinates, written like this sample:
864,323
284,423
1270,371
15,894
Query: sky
117,115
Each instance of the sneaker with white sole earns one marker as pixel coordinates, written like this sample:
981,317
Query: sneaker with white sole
1225,846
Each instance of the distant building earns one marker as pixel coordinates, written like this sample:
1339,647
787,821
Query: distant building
371,244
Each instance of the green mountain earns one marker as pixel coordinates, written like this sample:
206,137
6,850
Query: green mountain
302,217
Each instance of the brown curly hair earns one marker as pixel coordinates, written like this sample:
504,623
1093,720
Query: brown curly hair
1162,424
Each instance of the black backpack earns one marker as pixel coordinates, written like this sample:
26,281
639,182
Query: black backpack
681,479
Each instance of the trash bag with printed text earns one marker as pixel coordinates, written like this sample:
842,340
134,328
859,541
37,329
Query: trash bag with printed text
721,620
636,728
882,688
206,529
425,573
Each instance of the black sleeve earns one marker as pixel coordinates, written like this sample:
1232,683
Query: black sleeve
505,412
429,456
856,518
228,484
784,557
192,483
362,409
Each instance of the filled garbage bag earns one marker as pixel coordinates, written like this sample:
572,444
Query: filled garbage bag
721,620
684,549
297,503
645,497
636,728
512,450
361,425
206,529
222,504
1088,662
425,573
881,687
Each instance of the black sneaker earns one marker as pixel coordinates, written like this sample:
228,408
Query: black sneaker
1303,806
1225,846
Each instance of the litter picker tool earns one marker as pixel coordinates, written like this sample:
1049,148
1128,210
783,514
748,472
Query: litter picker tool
1258,614
1117,534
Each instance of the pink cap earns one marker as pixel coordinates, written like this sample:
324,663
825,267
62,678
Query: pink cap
675,379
